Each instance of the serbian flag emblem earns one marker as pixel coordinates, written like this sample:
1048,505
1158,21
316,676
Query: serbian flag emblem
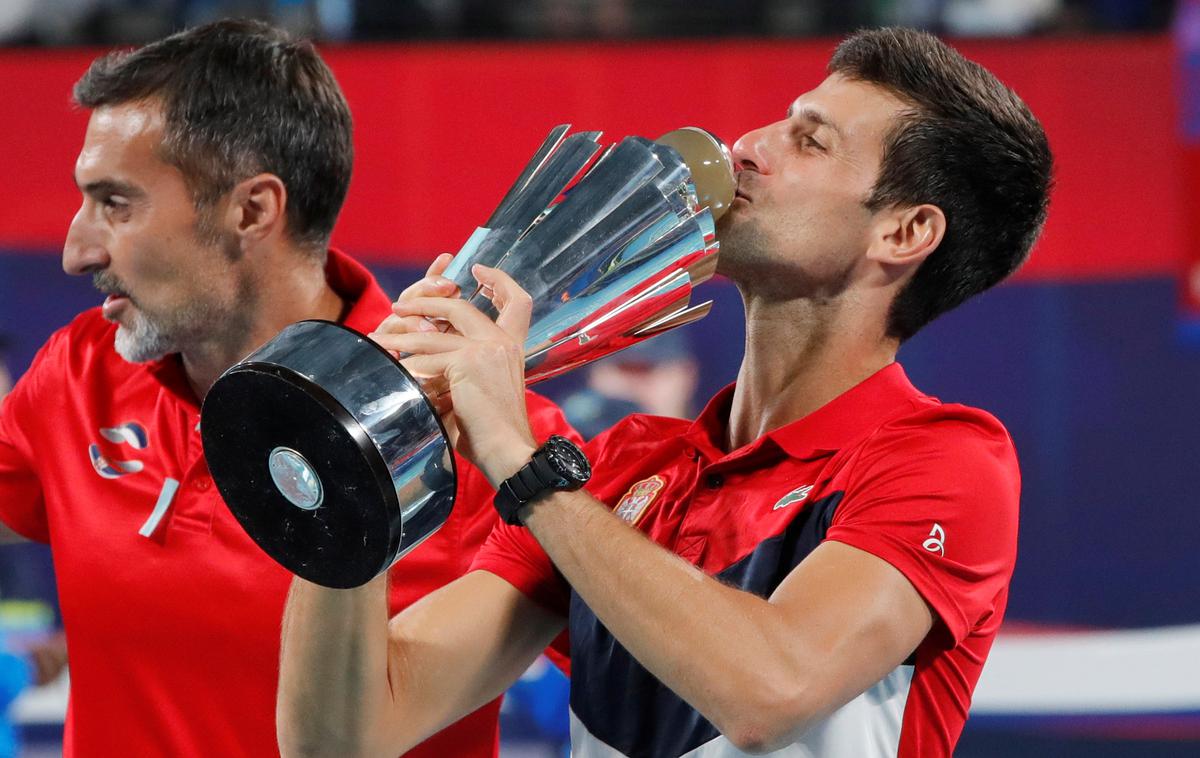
639,497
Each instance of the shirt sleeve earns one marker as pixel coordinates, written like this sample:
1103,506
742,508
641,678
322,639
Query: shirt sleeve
936,496
511,552
22,506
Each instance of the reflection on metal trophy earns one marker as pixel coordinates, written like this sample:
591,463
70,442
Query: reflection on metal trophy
325,448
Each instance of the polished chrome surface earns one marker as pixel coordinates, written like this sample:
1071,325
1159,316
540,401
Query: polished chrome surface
524,204
598,262
551,143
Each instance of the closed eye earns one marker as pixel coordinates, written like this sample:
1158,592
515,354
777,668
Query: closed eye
115,206
112,194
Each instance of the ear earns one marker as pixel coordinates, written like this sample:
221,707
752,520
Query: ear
906,236
257,208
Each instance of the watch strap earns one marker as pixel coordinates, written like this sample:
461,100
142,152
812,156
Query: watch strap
533,479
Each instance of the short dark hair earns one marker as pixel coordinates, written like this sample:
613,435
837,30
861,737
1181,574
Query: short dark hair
240,97
968,145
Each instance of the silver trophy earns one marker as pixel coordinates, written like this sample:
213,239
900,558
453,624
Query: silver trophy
326,449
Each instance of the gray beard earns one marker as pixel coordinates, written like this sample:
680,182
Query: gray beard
143,341
146,339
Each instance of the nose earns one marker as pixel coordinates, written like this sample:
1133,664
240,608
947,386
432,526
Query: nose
83,252
750,151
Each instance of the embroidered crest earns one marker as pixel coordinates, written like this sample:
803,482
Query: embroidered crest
798,495
639,497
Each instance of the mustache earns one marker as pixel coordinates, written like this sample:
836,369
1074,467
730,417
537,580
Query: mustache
743,182
109,284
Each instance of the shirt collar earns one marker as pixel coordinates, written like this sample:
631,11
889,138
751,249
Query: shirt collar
708,430
368,304
829,428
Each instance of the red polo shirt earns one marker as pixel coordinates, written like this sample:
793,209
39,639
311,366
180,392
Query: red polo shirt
174,637
930,488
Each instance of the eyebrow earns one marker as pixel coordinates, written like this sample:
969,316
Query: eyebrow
110,187
812,115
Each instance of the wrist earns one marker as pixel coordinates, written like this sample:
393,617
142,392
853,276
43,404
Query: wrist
507,461
528,513
558,464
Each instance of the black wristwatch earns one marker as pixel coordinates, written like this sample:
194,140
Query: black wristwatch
557,465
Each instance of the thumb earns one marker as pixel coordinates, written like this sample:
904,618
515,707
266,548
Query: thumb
512,303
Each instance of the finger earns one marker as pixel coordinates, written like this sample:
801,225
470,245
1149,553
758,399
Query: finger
439,265
422,366
513,303
384,341
463,316
434,285
421,343
404,324
395,325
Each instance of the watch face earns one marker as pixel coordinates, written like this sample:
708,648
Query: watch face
568,459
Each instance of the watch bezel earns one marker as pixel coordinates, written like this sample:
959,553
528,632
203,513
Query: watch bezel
568,460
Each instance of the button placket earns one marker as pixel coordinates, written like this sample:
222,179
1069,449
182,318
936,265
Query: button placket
692,530
195,512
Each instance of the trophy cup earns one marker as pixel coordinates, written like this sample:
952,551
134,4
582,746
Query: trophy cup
327,451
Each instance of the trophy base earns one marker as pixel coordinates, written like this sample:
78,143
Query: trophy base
304,445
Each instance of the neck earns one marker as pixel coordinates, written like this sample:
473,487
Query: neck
801,354
286,290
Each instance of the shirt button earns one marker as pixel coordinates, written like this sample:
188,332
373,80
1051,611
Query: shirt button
203,483
714,481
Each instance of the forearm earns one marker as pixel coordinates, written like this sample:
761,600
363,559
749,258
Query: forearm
731,655
353,684
334,693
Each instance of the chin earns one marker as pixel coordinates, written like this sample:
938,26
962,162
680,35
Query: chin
141,343
742,246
